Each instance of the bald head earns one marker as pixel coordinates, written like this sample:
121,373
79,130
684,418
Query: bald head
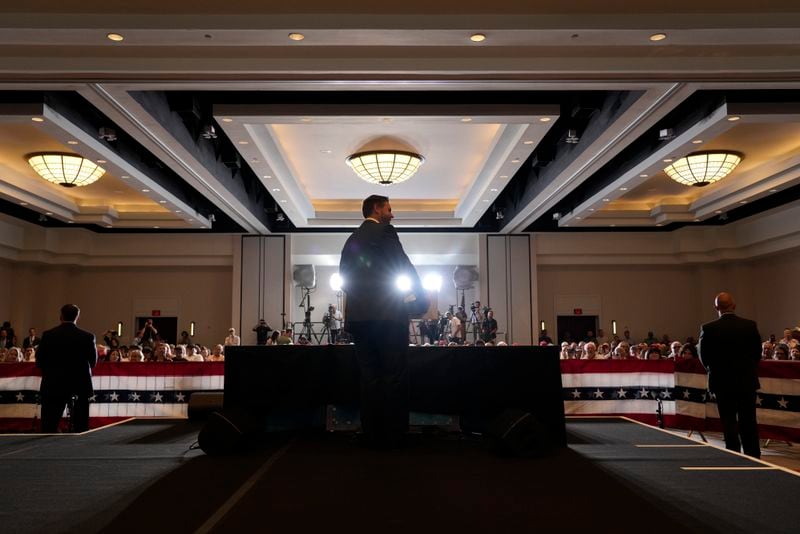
724,303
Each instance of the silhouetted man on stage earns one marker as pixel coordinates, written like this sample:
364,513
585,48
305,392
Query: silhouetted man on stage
730,349
66,356
376,313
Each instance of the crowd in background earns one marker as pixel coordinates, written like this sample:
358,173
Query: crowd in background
453,329
600,347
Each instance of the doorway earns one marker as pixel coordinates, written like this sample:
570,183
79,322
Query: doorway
167,327
575,327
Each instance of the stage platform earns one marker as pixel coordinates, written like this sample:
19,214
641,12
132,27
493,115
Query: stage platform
614,475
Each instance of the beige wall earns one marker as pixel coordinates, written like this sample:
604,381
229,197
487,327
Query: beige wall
110,294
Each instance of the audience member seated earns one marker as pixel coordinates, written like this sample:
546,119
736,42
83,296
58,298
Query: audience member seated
273,338
564,350
590,351
787,338
232,338
217,354
29,354
794,353
766,350
205,353
180,354
192,354
780,352
302,340
620,353
14,355
114,356
688,350
136,354
653,353
633,352
675,350
285,338
162,352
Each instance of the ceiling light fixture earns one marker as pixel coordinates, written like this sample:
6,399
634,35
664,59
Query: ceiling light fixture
658,37
572,137
67,170
703,168
385,167
466,119
114,37
733,118
544,119
477,37
37,119
294,36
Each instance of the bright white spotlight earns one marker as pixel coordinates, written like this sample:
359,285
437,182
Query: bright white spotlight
336,282
432,282
403,283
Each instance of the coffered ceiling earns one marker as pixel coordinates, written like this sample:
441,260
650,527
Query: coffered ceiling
551,123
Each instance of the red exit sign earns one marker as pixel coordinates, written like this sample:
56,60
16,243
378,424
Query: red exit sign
156,313
577,311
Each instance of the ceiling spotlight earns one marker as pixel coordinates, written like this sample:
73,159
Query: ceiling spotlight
67,170
544,119
385,167
114,37
572,137
107,134
666,134
280,217
733,118
556,216
477,37
212,218
208,132
528,142
42,218
37,119
703,168
294,36
697,141
499,215
466,119
658,37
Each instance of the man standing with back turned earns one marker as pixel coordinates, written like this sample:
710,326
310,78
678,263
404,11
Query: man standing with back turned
730,349
377,318
66,356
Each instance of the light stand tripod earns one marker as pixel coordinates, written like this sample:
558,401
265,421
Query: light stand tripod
475,323
305,303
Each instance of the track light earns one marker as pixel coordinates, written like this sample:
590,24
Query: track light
280,217
499,215
556,216
572,137
666,134
208,132
107,134
212,218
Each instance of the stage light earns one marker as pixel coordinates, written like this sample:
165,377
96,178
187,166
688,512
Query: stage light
432,282
403,283
336,282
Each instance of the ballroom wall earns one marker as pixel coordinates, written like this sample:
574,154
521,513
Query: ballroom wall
661,281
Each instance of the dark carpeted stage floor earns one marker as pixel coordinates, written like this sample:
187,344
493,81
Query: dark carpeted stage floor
615,475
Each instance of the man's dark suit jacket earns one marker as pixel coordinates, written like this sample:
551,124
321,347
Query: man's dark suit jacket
730,349
372,259
28,343
66,356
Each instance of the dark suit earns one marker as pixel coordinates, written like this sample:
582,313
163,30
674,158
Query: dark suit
377,318
66,356
28,342
730,349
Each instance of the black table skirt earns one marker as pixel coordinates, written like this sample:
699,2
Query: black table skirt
468,381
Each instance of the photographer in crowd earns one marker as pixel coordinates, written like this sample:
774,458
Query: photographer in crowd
333,322
262,330
148,334
489,326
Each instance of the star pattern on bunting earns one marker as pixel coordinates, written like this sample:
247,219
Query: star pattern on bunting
93,398
598,394
622,394
666,394
686,394
156,396
759,400
134,397
180,396
20,397
643,393
783,403
114,397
